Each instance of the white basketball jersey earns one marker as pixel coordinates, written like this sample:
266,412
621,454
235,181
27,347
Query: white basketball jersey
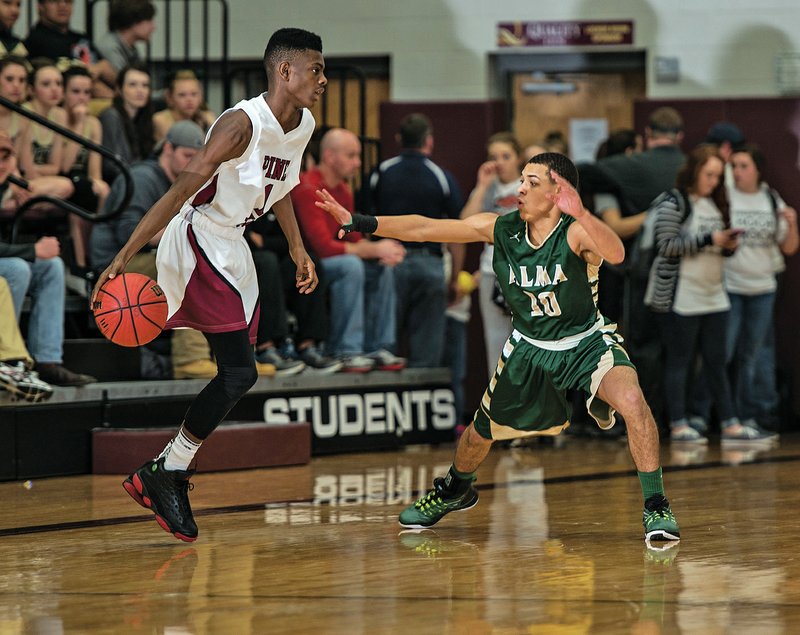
243,188
205,267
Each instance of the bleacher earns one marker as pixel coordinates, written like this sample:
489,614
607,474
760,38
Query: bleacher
335,413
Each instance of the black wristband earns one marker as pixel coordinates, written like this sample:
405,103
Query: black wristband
363,223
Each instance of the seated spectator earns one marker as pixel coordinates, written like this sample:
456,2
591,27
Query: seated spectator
79,164
129,22
13,86
41,149
45,146
273,344
15,361
412,183
184,97
128,123
359,271
36,270
52,38
191,355
10,44
311,154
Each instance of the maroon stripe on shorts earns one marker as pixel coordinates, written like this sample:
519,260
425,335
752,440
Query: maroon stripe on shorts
210,303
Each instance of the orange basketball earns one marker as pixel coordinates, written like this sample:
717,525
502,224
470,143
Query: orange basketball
131,309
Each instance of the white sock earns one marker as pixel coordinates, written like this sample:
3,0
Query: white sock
179,452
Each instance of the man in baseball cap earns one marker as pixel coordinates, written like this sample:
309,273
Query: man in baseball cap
184,134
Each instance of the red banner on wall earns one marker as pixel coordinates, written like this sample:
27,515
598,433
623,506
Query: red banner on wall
569,33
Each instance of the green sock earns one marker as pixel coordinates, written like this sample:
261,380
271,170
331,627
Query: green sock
652,483
458,482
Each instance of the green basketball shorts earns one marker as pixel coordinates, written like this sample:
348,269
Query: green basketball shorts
527,394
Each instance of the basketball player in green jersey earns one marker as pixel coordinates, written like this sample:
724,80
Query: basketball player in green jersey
546,257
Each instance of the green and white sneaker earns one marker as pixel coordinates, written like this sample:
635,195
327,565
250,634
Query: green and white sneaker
432,507
658,520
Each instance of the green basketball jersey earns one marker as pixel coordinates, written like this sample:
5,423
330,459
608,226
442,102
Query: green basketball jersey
551,291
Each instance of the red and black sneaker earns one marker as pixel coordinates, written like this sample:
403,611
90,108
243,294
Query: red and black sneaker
166,493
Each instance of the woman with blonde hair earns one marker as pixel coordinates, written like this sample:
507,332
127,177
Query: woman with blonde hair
184,97
14,87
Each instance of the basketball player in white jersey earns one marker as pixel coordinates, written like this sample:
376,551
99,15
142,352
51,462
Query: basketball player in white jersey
249,163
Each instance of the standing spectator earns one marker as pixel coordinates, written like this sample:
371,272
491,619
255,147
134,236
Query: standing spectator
360,272
274,344
52,38
645,175
770,231
412,182
726,136
10,44
556,141
531,150
454,355
642,177
129,22
692,228
190,353
603,197
184,96
623,141
496,190
128,123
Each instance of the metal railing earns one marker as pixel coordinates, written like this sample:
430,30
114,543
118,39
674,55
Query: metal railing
248,79
169,59
66,205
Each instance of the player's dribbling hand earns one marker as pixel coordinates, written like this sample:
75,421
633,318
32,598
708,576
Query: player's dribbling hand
332,206
566,197
116,267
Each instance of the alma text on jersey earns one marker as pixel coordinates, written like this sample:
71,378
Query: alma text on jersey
542,278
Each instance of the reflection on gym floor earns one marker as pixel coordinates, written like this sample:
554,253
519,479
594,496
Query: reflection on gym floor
554,546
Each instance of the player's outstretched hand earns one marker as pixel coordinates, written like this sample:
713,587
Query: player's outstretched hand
566,198
116,267
332,206
306,276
